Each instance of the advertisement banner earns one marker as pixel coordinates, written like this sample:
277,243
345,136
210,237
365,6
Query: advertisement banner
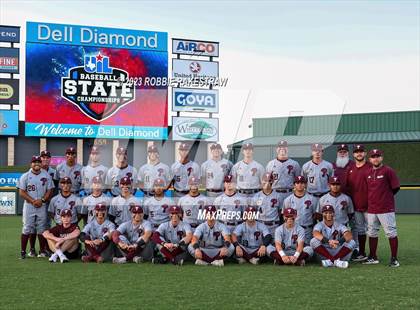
95,92
9,60
9,123
9,179
195,100
7,203
195,47
183,68
193,128
9,34
9,91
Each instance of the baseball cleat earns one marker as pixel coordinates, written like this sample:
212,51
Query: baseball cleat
43,255
119,260
158,260
341,263
53,258
218,263
241,260
301,263
394,263
63,259
87,258
360,258
179,262
201,262
22,255
32,253
137,259
254,260
371,261
327,263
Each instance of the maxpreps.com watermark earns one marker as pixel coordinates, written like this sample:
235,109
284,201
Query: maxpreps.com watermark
227,216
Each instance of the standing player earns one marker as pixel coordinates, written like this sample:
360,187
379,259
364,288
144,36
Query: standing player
214,170
65,200
119,211
289,241
357,189
284,171
93,169
63,239
157,207
96,197
149,172
231,202
182,170
342,164
120,170
35,187
96,236
132,239
46,159
305,206
317,171
172,239
211,241
247,173
382,185
192,203
71,169
250,238
268,204
332,242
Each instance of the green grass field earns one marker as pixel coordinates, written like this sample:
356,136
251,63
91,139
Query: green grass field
37,284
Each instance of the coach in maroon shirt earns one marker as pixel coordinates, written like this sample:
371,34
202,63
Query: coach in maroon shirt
342,164
382,185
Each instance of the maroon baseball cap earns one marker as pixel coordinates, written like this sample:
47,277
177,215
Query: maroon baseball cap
97,180
342,147
251,209
282,143
35,158
328,208
228,178
184,146
71,150
358,148
101,207
316,147
267,177
215,146
334,180
247,146
66,212
193,181
45,153
375,152
94,150
210,208
289,212
65,180
121,150
125,181
175,210
152,149
159,182
300,179
136,209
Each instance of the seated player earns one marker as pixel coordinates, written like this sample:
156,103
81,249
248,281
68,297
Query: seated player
97,196
211,241
250,238
132,238
332,242
63,239
172,238
156,207
289,241
96,236
65,200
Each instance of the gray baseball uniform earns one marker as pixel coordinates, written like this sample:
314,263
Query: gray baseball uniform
251,237
289,239
343,206
182,172
248,176
89,172
157,210
74,173
214,173
131,233
235,205
120,208
190,207
114,176
284,173
96,230
51,172
59,203
149,173
172,234
317,176
89,203
269,207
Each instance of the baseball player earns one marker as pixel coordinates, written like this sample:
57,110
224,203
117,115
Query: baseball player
343,206
132,238
382,185
182,170
45,163
154,169
192,203
250,238
317,171
211,241
63,239
357,189
172,239
157,207
305,206
289,241
214,170
96,197
268,202
332,242
119,211
96,236
71,169
342,164
93,169
35,187
247,172
65,200
232,204
121,170
284,171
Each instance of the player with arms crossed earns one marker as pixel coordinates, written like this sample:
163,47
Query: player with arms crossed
96,197
157,207
71,169
65,199
120,170
92,170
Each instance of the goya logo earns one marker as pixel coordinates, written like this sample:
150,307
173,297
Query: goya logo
97,89
196,129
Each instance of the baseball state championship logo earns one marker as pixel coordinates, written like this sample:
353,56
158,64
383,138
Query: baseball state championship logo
96,88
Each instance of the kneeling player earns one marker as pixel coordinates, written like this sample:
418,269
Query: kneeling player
172,238
289,240
211,241
250,238
333,242
97,236
132,238
63,239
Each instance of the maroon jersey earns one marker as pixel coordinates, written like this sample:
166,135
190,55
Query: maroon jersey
341,173
356,186
60,232
380,185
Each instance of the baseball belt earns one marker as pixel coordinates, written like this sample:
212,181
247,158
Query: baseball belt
248,191
284,190
318,195
271,223
182,192
214,190
305,227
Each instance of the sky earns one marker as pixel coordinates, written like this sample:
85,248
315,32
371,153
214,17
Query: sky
281,58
